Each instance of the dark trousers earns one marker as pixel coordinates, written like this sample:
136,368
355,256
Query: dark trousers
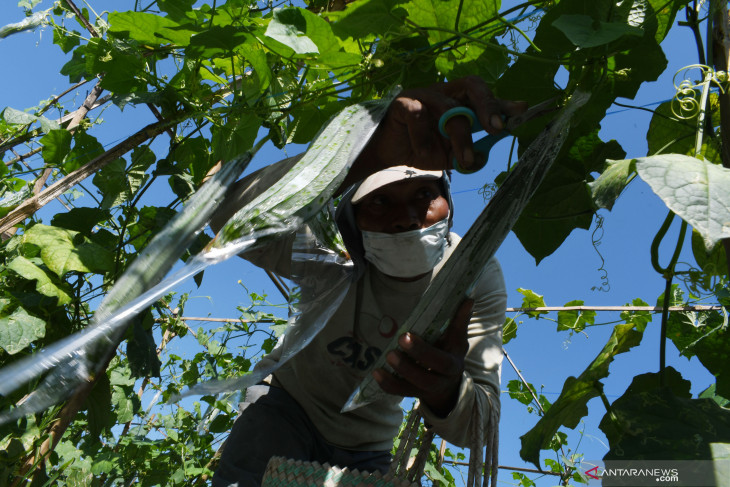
271,423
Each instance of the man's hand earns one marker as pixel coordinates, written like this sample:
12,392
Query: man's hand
431,373
409,134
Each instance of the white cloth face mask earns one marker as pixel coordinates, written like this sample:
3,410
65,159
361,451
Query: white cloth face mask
407,254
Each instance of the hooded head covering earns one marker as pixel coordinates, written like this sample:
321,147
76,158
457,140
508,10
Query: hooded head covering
391,175
345,213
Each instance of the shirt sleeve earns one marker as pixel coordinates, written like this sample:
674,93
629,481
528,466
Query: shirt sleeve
273,255
482,363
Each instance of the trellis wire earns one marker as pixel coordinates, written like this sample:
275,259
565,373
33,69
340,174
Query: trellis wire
656,309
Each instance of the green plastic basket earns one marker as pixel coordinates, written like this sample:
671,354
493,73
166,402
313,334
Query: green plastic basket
283,472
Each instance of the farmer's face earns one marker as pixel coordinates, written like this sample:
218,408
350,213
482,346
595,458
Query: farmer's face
402,206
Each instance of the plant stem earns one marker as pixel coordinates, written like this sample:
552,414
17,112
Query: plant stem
663,333
60,424
487,44
524,35
458,15
22,157
692,22
526,384
35,203
669,275
721,60
657,240
58,97
82,20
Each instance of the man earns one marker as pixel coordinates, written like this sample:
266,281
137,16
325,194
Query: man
396,227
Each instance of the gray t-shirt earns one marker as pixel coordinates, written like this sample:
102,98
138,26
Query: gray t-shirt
323,375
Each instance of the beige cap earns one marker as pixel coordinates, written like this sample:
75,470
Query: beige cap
391,175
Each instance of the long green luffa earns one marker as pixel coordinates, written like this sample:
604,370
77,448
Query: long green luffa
307,187
458,275
282,208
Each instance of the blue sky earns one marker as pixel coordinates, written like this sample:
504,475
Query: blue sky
545,357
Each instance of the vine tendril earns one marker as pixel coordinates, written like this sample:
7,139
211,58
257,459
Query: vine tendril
596,238
684,103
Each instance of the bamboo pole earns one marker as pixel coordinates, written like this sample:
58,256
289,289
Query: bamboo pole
505,467
35,203
721,60
654,309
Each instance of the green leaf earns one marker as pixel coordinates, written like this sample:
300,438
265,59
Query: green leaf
151,220
64,39
442,14
575,320
123,406
182,185
28,4
639,319
563,201
121,182
519,391
709,393
696,190
221,424
82,219
48,125
98,405
609,185
123,68
120,375
559,440
16,117
176,9
62,254
86,148
653,423
509,331
148,28
532,300
289,26
218,41
56,144
45,284
106,462
141,348
643,62
20,329
11,200
585,32
705,335
308,118
194,154
487,63
256,57
664,13
235,137
673,380
522,479
571,405
75,69
673,129
362,19
278,329
317,29
115,185
713,262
